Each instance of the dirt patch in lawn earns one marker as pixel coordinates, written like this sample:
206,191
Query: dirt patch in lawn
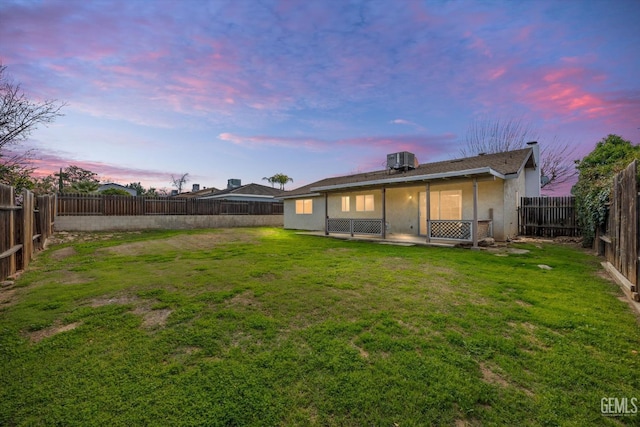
72,278
57,328
6,296
246,298
150,318
63,253
185,242
491,377
153,318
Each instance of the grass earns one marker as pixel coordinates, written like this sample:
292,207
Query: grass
266,327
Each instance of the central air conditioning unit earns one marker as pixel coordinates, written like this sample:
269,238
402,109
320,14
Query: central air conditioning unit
402,161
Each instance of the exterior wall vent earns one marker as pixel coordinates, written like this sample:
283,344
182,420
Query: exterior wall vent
402,161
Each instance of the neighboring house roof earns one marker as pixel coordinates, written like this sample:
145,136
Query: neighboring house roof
109,185
200,193
502,165
249,190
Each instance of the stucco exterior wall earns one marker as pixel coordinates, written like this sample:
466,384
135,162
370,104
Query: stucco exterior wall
514,189
311,222
490,197
335,205
164,222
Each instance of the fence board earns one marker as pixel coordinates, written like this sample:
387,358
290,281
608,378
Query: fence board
621,236
25,225
548,217
90,204
7,232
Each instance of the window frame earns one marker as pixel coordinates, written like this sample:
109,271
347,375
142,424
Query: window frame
346,203
365,203
304,206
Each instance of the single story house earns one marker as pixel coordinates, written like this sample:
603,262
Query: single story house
197,193
461,200
111,185
237,192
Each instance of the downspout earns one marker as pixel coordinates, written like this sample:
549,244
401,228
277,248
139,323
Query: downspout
428,212
384,213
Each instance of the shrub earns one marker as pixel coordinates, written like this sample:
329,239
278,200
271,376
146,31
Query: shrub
595,179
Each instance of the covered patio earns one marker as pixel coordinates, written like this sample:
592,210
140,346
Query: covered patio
447,230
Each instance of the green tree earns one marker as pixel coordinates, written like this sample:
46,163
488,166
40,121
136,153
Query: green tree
270,180
75,174
44,185
280,179
84,187
141,191
115,192
595,179
16,173
74,178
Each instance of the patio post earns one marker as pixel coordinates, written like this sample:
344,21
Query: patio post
474,232
384,213
326,214
428,212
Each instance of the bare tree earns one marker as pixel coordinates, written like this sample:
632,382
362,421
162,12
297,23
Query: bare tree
19,115
487,135
179,181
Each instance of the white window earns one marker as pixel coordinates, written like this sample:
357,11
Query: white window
346,204
446,204
364,203
304,207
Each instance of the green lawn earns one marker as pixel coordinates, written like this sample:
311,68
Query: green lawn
266,327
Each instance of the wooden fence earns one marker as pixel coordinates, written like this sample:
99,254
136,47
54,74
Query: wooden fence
89,204
26,222
620,242
548,217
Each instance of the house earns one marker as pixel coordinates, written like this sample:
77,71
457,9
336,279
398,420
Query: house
461,200
235,191
197,193
111,185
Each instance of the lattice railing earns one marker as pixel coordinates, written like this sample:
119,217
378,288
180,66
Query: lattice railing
355,226
338,225
453,230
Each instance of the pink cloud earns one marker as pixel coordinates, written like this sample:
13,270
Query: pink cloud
413,143
48,163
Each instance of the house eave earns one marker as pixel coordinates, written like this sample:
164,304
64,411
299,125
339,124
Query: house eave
297,196
468,173
238,195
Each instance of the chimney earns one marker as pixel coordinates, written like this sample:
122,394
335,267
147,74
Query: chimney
533,177
196,187
536,151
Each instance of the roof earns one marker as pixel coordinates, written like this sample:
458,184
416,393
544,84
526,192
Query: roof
200,193
501,165
250,190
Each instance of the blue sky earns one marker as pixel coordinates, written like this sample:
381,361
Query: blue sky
246,89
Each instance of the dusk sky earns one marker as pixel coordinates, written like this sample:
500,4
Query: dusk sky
246,89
